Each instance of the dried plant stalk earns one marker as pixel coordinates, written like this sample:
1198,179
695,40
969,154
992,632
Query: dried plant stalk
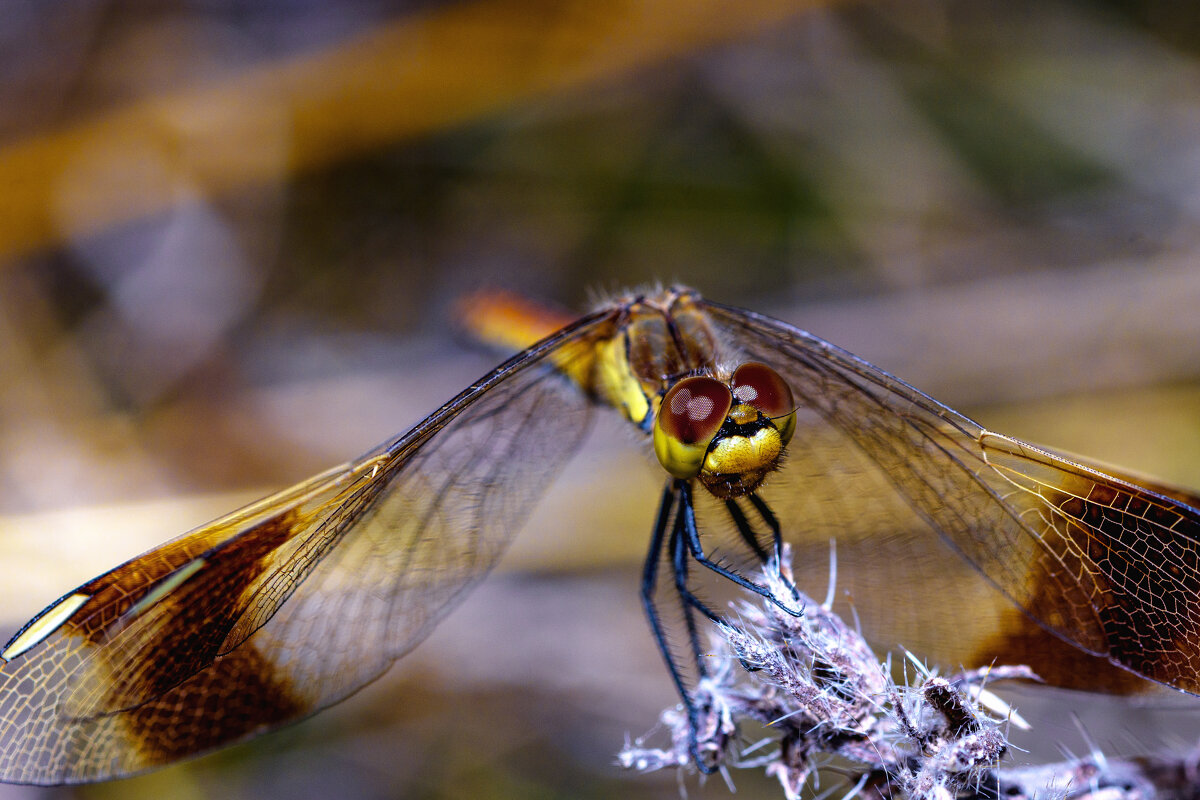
821,697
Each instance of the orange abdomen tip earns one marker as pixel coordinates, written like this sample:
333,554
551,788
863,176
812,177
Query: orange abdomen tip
506,319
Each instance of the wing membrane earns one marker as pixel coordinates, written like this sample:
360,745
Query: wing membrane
291,604
295,602
1111,567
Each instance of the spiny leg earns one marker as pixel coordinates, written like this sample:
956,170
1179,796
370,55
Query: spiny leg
690,604
687,600
772,522
650,582
745,530
692,536
671,502
750,536
677,511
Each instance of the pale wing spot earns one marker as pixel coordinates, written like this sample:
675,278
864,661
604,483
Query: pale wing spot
50,620
168,585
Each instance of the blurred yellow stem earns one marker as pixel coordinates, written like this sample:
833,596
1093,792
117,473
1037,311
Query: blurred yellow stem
421,74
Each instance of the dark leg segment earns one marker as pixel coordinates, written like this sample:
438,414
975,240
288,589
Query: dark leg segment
687,600
745,530
688,512
668,508
768,516
772,522
682,543
649,584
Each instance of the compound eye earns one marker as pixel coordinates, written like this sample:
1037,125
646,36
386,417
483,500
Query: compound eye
762,387
694,410
690,415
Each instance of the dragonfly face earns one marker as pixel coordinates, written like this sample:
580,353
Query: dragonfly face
730,436
242,625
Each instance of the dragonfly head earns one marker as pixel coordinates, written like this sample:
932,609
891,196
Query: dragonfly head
729,435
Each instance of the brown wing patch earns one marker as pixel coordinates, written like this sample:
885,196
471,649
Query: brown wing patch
1130,554
241,693
1096,541
188,626
1142,557
1020,640
115,592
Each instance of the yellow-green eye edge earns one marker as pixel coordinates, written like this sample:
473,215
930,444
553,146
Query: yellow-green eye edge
679,459
689,416
786,426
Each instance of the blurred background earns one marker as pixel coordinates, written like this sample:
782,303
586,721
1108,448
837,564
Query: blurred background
232,234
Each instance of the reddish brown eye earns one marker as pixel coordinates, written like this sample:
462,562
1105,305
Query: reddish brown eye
762,387
694,410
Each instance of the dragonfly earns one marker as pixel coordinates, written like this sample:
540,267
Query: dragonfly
764,433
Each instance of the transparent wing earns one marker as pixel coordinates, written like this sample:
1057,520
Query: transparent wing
1109,566
290,605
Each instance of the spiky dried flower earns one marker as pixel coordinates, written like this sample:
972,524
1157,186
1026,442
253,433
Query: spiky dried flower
822,697
812,683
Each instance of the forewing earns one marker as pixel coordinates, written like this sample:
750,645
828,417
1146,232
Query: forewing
290,605
1102,563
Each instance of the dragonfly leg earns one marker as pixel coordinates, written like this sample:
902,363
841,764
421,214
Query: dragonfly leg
772,522
692,535
745,530
687,600
668,508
